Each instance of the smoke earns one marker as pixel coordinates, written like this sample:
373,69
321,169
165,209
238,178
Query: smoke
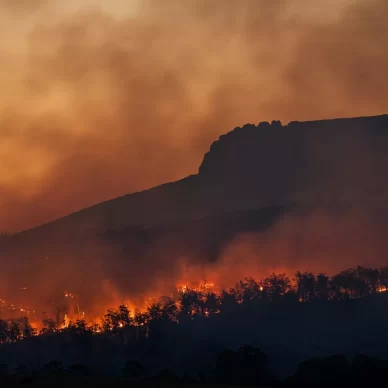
320,241
22,6
106,100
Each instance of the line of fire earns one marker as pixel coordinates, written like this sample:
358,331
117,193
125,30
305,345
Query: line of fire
203,298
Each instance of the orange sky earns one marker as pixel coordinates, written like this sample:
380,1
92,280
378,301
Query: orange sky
117,96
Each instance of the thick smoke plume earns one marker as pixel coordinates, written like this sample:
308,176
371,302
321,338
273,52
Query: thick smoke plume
109,99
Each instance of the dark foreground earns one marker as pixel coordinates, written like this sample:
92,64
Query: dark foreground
325,372
60,381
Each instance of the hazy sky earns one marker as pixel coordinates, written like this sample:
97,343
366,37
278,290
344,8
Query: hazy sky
115,96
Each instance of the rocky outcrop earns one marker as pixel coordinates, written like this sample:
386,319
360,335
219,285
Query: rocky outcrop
278,163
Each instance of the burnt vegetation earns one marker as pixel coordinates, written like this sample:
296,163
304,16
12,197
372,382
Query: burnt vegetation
202,334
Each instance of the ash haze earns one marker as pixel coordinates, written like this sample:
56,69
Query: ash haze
118,96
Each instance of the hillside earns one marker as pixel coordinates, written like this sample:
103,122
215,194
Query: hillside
249,167
296,185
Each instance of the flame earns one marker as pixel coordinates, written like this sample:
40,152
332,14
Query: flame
71,307
65,322
198,287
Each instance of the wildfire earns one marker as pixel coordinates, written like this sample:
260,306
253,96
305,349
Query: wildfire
198,287
65,322
70,310
12,310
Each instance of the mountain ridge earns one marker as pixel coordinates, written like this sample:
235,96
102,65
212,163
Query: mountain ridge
265,196
215,163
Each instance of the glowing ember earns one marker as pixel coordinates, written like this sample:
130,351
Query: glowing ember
191,299
198,287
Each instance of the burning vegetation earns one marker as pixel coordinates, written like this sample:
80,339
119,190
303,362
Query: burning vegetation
192,301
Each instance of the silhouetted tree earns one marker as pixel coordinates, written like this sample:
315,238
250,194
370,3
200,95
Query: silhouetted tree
277,285
322,287
370,276
169,309
228,301
247,366
326,372
247,290
211,304
79,328
26,328
14,330
140,320
191,303
306,284
347,284
383,277
49,326
133,369
155,312
112,320
4,335
124,316
368,371
96,327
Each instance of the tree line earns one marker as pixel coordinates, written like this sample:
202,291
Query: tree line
196,303
178,331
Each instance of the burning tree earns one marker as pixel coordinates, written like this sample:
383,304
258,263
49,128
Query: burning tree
277,286
115,319
197,302
192,303
169,309
15,329
306,286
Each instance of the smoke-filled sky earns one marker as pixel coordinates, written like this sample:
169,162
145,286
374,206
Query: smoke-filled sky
101,98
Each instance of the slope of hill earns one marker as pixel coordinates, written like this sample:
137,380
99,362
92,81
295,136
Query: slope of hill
300,184
250,167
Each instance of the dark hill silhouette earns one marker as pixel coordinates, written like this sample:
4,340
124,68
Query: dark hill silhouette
252,179
249,167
